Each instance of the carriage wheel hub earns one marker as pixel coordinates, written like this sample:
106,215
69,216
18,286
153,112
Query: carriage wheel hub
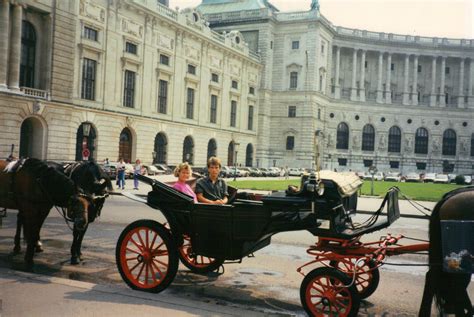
146,256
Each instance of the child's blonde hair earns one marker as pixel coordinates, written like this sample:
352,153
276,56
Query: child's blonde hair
180,167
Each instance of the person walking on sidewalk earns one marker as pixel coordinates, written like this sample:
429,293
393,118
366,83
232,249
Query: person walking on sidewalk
137,170
121,174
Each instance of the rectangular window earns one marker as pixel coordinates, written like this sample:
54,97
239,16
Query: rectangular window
290,143
368,163
129,89
295,45
319,114
213,109
419,68
291,111
293,80
162,96
233,113
342,162
394,164
250,121
421,166
366,64
91,34
271,45
190,104
192,69
214,77
322,49
235,84
131,48
392,66
89,67
252,90
164,60
447,70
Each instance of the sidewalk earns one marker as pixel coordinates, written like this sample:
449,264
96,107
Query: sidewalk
27,294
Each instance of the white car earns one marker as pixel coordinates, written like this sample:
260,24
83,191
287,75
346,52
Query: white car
467,179
429,177
294,172
393,177
413,177
441,179
377,176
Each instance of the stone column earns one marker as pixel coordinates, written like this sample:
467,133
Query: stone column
442,97
406,93
354,76
414,98
48,49
388,90
469,88
379,79
433,82
337,88
4,23
15,48
461,84
362,76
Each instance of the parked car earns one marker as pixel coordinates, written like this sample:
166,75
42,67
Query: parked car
451,177
129,169
274,171
441,179
429,177
265,172
164,168
225,171
110,170
294,172
413,177
467,179
393,177
233,172
151,170
244,171
377,176
255,172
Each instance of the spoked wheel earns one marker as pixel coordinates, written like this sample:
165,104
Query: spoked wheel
324,292
197,263
146,256
366,281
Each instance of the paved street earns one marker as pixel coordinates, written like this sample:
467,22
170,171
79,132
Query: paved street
265,284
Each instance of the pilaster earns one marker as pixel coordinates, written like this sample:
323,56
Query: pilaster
337,88
362,77
4,23
414,97
442,99
461,84
15,48
379,79
433,82
406,75
388,83
354,76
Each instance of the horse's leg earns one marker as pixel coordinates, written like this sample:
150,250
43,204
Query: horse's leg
81,237
427,300
17,239
76,254
39,245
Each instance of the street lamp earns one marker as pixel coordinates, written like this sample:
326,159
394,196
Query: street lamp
86,129
236,150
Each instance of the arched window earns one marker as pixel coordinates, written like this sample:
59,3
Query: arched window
230,154
125,145
188,150
31,138
368,138
342,136
28,51
449,142
249,155
472,144
211,148
394,139
85,142
290,143
160,149
421,141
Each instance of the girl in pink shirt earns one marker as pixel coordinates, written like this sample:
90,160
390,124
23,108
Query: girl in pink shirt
183,172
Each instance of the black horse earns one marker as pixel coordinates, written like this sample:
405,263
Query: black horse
33,188
94,183
449,289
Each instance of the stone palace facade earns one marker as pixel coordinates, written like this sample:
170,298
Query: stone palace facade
136,79
398,102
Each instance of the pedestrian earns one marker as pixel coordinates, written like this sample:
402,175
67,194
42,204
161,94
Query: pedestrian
287,173
121,174
137,170
107,166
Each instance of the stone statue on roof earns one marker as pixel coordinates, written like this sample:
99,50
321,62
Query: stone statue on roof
314,5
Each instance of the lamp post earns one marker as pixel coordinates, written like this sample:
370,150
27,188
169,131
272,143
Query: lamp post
236,150
86,130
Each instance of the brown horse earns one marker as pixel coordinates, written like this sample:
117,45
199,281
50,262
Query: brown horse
33,189
449,289
94,183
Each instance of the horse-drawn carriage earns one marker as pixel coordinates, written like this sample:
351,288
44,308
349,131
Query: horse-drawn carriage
204,236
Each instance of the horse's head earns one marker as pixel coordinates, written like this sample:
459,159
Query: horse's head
77,210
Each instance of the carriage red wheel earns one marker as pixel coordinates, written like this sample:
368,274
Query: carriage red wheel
146,256
367,280
197,263
324,292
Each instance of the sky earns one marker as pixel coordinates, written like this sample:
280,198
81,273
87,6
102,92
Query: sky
436,18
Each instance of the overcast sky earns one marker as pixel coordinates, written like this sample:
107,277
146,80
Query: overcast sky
440,18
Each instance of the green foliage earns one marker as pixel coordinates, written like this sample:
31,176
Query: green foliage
459,179
418,191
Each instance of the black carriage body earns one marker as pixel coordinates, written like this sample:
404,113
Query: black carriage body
232,232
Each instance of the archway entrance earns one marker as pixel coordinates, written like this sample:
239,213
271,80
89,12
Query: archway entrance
125,145
161,145
85,142
31,138
188,150
249,155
